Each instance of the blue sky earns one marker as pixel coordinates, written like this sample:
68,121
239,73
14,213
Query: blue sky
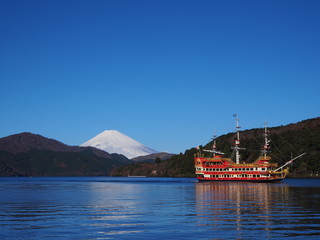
166,73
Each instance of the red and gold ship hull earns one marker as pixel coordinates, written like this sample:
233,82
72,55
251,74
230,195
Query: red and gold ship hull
224,169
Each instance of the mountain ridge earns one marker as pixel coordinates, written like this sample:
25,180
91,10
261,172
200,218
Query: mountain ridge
25,141
152,157
28,154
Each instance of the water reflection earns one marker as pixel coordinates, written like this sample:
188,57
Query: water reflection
275,209
107,208
113,209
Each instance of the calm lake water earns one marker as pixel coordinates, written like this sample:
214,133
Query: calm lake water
157,208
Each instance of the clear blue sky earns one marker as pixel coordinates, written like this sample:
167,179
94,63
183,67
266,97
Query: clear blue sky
164,72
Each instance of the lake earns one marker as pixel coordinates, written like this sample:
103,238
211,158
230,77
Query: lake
157,208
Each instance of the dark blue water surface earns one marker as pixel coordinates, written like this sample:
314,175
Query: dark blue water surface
157,208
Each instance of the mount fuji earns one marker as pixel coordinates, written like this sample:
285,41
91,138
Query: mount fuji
113,141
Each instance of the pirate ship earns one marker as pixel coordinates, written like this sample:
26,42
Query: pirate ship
216,167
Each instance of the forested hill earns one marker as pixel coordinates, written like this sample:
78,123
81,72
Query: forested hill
292,139
28,154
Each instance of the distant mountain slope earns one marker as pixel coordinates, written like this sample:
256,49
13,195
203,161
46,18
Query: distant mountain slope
28,154
113,141
152,157
23,142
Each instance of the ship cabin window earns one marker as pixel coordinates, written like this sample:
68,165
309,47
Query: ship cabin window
251,169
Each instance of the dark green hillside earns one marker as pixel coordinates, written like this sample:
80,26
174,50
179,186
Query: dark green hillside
178,166
28,154
285,140
50,163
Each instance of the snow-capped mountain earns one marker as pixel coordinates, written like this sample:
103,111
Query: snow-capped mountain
113,141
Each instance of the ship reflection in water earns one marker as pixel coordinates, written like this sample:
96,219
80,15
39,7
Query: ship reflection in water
271,210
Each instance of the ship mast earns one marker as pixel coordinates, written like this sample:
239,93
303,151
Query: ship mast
265,148
237,147
214,146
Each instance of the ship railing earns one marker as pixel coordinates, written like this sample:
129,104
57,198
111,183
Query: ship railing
280,172
244,165
256,165
264,158
229,160
267,158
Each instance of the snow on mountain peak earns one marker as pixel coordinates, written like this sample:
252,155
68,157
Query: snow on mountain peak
113,141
